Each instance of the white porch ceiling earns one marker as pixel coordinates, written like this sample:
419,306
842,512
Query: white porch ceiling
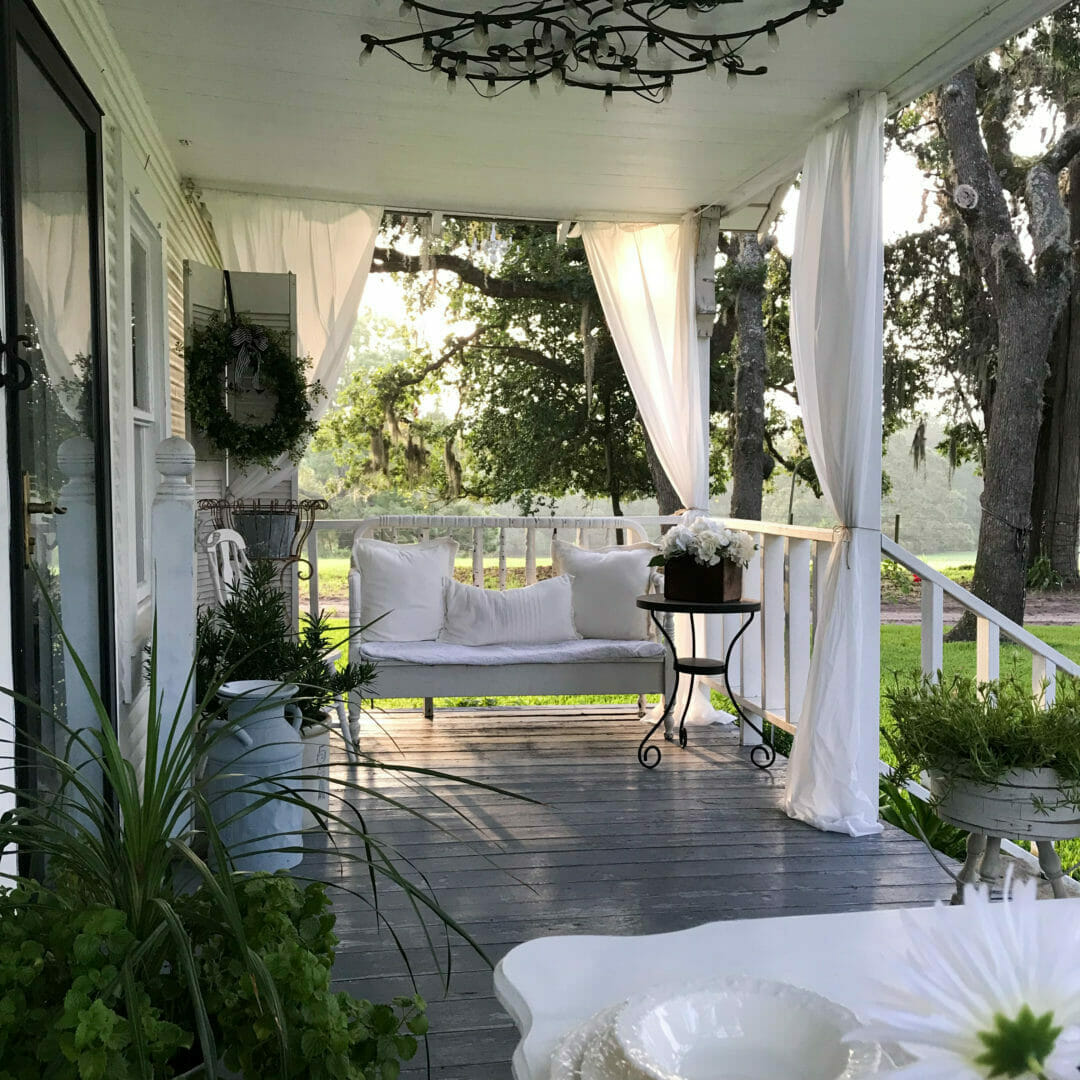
269,95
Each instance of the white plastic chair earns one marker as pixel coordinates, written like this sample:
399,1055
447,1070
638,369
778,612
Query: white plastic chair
226,554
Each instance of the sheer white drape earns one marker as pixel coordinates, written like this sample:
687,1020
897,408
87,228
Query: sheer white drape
836,327
56,251
645,278
328,246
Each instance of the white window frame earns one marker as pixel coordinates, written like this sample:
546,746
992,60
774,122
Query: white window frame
145,421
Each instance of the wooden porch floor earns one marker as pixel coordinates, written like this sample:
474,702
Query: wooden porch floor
611,849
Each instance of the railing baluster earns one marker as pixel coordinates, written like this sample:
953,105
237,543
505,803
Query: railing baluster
987,650
798,627
772,623
530,555
478,556
822,554
933,630
313,577
502,558
1043,679
749,646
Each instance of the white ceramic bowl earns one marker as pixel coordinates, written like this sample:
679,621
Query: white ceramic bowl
740,1028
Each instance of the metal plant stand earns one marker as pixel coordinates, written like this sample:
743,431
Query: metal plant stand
763,755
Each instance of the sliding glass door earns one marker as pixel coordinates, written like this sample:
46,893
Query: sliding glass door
54,378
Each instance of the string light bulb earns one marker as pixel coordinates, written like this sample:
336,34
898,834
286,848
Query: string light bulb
504,62
812,17
428,55
665,94
558,78
710,68
732,78
609,97
773,38
405,9
363,58
451,81
534,87
480,33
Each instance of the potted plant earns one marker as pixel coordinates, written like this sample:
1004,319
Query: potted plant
130,957
997,762
704,561
250,637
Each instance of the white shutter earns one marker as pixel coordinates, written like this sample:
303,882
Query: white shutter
266,299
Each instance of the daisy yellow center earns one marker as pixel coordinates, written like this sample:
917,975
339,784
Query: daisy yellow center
1018,1046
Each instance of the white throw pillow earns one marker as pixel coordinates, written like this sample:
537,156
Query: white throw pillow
536,615
606,584
403,584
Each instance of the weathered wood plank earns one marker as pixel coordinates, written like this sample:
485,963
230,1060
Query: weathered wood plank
607,848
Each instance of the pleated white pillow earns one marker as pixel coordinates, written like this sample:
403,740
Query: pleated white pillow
536,615
606,585
402,583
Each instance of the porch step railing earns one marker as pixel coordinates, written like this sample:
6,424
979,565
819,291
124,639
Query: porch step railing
990,624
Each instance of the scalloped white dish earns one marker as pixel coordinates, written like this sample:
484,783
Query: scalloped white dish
568,1056
742,1028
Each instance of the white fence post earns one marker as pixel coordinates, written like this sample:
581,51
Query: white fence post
173,536
799,606
987,650
933,630
773,619
749,646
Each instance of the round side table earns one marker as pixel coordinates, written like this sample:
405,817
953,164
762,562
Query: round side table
762,755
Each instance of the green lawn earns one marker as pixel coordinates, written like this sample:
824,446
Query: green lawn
949,560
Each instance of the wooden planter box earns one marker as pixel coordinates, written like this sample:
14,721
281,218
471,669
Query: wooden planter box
689,581
1026,803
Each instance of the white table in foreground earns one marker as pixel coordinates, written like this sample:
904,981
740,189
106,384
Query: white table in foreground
550,985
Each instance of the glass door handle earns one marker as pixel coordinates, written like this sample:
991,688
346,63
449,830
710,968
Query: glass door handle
15,364
31,507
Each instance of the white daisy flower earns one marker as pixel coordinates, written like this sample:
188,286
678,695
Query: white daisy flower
994,996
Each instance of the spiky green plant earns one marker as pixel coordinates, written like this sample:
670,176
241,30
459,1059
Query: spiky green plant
113,840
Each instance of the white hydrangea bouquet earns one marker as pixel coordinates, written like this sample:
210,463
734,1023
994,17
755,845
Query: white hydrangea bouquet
703,562
707,542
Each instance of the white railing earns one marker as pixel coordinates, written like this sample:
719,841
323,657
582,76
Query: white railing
991,627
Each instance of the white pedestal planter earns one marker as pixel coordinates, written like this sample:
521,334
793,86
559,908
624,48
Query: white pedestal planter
1028,804
316,771
246,762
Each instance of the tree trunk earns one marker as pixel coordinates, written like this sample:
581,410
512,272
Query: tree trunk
748,453
1009,476
1027,306
667,498
1055,510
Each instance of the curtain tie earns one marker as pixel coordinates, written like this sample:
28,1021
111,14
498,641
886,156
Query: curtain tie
842,535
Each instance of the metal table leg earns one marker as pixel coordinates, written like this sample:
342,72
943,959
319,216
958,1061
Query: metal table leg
763,755
646,752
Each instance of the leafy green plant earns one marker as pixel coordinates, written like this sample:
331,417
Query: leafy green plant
250,636
917,818
1042,576
130,949
980,732
896,578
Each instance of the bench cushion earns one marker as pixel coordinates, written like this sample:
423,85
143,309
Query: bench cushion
437,653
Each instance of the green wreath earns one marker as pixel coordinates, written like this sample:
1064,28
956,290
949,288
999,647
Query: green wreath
218,350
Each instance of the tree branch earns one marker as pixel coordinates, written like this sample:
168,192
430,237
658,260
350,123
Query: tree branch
390,261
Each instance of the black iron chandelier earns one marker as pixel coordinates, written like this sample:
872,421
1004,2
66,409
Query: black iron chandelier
614,46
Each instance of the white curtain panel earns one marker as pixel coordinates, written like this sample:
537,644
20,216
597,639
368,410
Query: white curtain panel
836,328
644,276
56,252
328,246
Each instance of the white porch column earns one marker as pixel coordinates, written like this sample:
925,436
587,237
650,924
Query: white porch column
173,536
836,328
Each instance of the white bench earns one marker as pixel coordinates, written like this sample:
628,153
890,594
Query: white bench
430,669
